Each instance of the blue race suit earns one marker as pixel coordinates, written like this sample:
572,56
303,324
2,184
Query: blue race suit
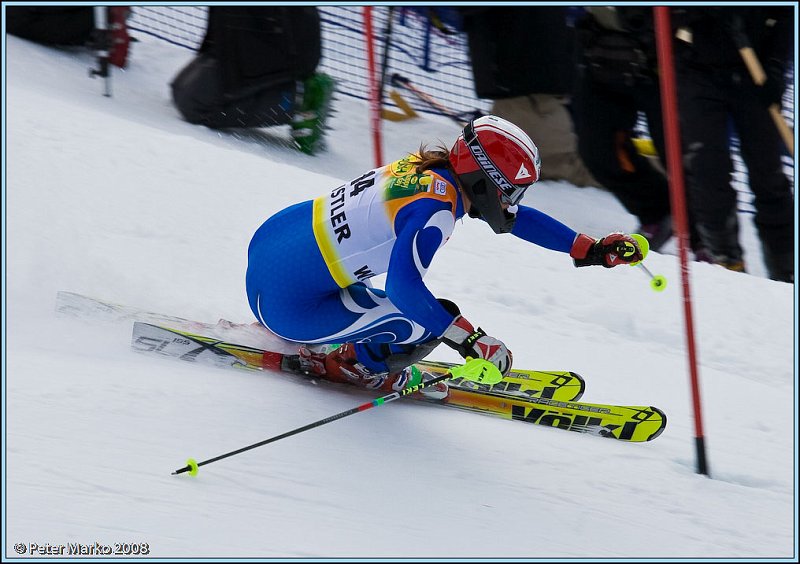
309,265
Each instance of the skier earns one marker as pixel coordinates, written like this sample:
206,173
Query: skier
309,265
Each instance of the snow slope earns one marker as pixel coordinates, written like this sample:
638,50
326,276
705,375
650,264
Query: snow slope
117,198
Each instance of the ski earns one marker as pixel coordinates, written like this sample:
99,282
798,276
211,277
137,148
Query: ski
189,346
543,398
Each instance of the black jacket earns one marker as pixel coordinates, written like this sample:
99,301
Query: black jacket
519,50
51,25
261,46
713,34
616,46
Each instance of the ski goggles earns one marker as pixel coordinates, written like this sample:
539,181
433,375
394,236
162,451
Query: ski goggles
509,192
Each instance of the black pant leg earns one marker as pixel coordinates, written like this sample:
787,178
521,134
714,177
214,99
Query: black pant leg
707,164
604,124
761,148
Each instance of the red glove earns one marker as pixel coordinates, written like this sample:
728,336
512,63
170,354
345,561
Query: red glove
612,250
471,342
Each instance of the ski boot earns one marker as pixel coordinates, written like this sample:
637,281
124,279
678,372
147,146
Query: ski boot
339,364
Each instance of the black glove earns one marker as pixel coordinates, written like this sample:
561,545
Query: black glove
771,92
612,250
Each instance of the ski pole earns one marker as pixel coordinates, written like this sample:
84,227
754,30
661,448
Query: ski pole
102,47
386,44
475,369
399,81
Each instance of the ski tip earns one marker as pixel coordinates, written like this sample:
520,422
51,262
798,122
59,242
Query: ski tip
663,423
581,383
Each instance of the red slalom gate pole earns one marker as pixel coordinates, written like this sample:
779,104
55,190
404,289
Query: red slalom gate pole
374,89
672,141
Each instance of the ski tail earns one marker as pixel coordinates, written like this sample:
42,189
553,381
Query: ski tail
154,339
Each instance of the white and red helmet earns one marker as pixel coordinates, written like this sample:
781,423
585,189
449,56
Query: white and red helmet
495,162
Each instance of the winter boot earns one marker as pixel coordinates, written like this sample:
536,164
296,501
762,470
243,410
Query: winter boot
308,123
780,264
341,365
701,254
722,244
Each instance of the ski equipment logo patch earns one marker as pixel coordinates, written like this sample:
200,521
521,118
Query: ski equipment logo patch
440,187
522,173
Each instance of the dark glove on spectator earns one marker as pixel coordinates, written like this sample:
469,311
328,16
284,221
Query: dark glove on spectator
771,92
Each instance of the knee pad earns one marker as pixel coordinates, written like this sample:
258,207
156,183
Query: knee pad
449,306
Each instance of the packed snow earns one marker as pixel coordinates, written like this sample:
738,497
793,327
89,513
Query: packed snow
119,199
